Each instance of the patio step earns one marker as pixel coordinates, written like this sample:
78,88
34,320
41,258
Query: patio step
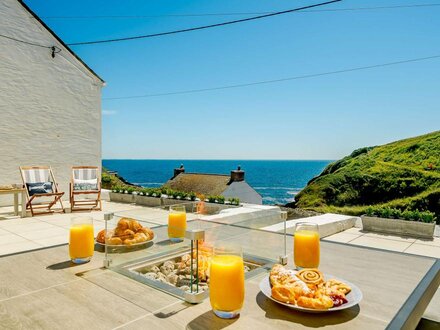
328,224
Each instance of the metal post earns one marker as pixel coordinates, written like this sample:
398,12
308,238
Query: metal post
283,259
107,260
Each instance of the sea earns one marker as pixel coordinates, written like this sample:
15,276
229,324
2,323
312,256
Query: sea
278,181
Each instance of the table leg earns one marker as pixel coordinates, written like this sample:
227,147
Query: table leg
23,205
15,203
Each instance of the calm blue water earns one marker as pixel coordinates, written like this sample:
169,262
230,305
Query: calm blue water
277,181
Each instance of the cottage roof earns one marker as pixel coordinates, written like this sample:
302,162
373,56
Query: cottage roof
201,183
59,40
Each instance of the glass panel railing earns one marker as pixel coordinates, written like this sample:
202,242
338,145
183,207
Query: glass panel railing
177,267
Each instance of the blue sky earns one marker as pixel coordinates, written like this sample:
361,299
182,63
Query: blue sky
317,118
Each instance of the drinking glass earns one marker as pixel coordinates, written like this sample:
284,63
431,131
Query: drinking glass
226,282
81,240
176,223
306,245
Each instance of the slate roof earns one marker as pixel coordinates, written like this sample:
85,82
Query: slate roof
200,183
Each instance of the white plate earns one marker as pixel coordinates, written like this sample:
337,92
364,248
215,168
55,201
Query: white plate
124,245
353,298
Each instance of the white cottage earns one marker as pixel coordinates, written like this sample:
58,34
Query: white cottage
50,103
206,184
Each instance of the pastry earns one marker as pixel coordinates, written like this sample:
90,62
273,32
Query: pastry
100,238
114,241
281,276
128,232
134,225
123,223
320,302
284,294
147,231
138,238
338,286
307,288
311,276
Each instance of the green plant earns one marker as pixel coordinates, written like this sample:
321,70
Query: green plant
116,188
385,212
211,199
130,190
234,201
393,213
220,199
427,217
192,196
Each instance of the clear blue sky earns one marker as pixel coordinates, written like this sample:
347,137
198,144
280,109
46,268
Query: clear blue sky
318,118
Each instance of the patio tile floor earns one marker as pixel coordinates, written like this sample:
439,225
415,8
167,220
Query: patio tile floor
380,243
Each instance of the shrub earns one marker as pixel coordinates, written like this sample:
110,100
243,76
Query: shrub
192,196
409,215
234,201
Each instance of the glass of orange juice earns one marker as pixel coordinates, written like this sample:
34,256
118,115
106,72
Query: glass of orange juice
306,245
226,281
176,223
81,240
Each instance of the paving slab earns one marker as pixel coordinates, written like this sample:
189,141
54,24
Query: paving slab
342,237
11,238
44,233
328,224
434,242
405,239
18,247
424,250
379,243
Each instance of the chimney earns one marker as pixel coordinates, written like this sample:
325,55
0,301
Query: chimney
179,170
237,175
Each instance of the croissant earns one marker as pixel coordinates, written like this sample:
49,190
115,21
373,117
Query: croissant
100,238
321,302
123,223
138,238
114,241
134,225
147,231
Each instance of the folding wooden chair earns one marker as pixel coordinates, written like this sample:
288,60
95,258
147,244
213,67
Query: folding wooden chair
41,189
86,180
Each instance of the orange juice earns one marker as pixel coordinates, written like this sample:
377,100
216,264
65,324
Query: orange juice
81,244
306,249
226,283
176,224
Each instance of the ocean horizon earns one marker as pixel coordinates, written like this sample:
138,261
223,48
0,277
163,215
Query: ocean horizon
278,181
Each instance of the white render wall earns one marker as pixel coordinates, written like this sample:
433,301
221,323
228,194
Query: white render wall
50,108
243,191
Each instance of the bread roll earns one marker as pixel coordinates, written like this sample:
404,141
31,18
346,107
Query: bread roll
100,238
114,241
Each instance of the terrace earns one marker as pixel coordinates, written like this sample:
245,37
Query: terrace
41,286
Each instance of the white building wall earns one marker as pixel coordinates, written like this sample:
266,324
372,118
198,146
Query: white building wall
243,191
50,108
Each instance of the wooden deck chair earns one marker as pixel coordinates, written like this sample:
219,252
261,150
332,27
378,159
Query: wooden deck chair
86,180
41,189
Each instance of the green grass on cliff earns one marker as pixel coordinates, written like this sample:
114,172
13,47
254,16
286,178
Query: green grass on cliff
403,174
110,180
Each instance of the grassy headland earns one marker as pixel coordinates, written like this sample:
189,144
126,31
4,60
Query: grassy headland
404,174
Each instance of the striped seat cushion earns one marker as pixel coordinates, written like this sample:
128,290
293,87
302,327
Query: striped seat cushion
79,184
39,188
